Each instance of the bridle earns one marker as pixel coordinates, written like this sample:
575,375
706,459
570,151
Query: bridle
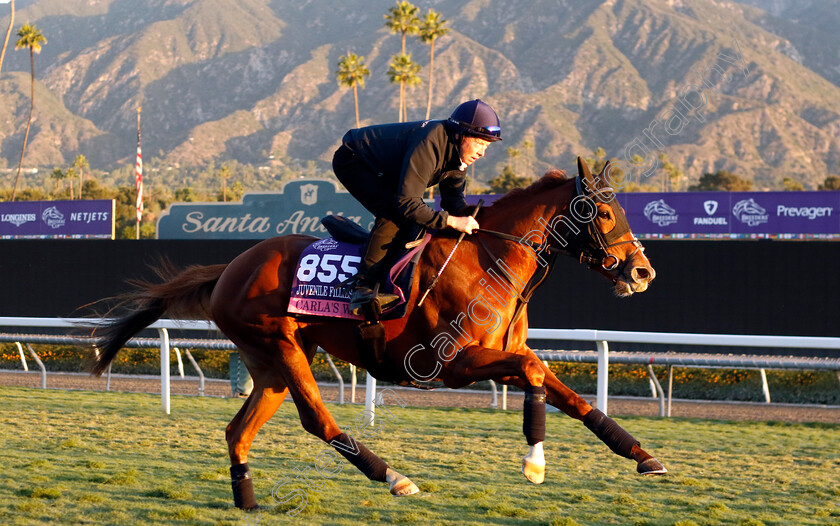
604,241
595,252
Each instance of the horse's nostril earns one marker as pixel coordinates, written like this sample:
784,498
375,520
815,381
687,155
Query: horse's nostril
640,274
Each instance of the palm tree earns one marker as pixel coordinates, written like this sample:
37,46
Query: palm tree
80,164
224,174
513,153
430,30
402,19
403,71
527,145
671,174
8,34
32,38
351,73
70,174
59,176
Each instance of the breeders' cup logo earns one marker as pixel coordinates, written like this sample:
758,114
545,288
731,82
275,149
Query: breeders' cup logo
325,245
309,194
710,207
52,217
660,213
749,212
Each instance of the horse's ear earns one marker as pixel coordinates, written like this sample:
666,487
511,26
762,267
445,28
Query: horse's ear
583,172
602,177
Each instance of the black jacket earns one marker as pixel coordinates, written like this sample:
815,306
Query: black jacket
411,157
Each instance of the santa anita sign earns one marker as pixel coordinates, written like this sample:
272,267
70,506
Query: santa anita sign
297,209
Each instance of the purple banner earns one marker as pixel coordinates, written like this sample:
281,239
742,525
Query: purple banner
726,215
57,219
737,215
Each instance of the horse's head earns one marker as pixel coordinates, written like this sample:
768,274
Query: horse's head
606,241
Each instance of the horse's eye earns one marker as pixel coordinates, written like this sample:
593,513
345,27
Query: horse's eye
605,215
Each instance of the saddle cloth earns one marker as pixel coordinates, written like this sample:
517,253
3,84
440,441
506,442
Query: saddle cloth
319,286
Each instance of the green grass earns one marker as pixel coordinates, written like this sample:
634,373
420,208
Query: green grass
76,457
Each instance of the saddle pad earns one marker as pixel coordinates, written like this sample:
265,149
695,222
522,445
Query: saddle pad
324,265
317,288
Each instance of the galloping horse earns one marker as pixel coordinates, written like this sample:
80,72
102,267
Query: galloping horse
473,322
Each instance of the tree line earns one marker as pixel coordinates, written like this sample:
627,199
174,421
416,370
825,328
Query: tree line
403,19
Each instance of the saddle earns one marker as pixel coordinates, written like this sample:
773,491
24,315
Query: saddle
343,229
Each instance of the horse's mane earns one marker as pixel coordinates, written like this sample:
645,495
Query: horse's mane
551,179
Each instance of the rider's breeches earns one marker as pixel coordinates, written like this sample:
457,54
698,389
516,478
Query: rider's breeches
381,240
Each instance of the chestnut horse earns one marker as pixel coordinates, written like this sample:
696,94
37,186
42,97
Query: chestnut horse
471,327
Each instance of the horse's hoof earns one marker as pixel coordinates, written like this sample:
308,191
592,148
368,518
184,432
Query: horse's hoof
651,466
533,472
402,487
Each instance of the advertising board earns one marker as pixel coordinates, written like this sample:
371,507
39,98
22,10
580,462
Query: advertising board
82,219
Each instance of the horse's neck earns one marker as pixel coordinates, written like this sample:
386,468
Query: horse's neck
524,219
526,215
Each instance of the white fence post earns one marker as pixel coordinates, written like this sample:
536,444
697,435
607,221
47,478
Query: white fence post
164,369
370,395
603,375
44,369
764,387
22,357
352,384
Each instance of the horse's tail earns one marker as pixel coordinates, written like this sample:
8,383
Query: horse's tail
181,295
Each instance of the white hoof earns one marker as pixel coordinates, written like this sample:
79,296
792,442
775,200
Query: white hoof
533,464
401,485
533,472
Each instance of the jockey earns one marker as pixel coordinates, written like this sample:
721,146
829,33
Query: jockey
388,167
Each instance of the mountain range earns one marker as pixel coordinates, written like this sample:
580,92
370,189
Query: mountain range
752,87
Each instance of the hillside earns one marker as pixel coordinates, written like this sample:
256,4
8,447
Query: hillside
253,80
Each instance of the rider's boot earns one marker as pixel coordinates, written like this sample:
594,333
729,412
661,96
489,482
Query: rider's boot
366,295
367,292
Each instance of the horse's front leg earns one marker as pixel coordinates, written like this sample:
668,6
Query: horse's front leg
605,428
474,364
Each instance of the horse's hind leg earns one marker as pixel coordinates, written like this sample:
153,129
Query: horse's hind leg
317,420
268,393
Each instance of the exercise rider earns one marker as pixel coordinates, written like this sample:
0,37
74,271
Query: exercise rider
388,167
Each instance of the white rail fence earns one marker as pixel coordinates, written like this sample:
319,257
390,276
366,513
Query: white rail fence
601,356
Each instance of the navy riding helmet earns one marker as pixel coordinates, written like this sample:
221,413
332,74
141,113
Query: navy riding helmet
478,119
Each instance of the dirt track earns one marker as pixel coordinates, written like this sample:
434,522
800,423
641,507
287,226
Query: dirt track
618,406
